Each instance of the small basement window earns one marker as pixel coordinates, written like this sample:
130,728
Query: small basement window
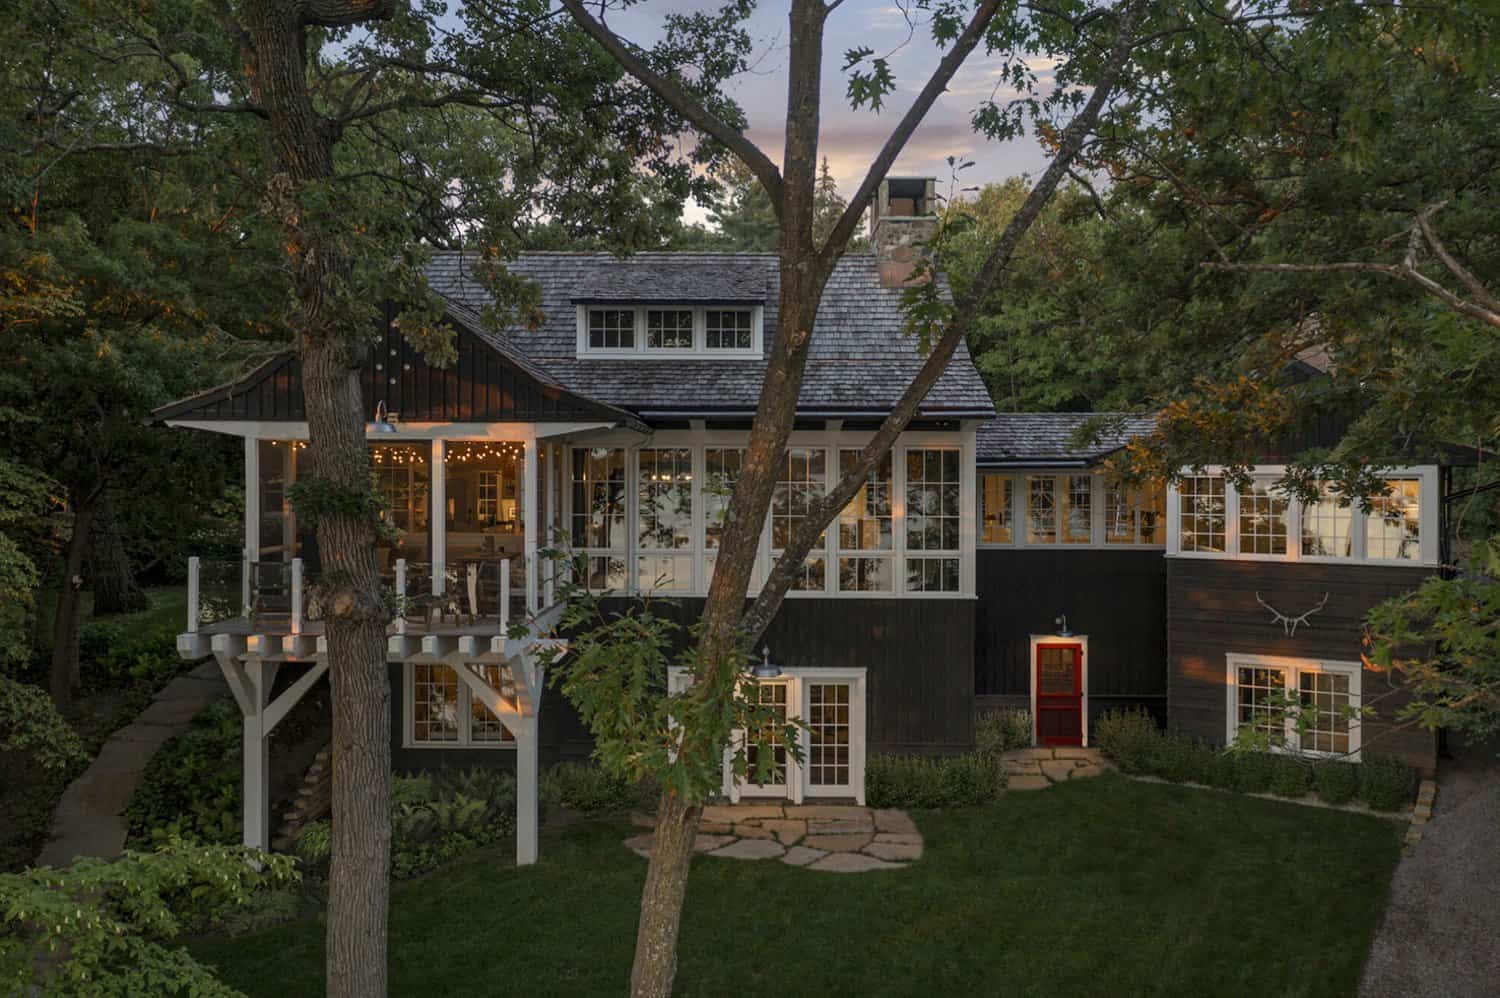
443,712
1305,706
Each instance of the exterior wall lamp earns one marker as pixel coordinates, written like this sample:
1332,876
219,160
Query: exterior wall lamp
382,422
765,668
1061,623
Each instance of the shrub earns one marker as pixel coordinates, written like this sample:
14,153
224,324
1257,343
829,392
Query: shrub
586,787
1253,771
103,927
1386,784
1290,776
1337,782
434,819
1129,737
30,724
1182,760
997,731
191,788
932,781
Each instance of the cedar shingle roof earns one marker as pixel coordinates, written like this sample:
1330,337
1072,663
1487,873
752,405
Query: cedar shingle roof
859,362
1017,439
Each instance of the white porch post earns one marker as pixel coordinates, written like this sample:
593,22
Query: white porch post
296,623
526,791
252,519
529,485
194,583
256,750
437,514
968,497
544,575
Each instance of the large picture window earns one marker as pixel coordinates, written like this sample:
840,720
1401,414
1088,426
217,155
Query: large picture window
866,550
1134,514
1298,705
1203,515
664,519
802,482
1327,525
598,515
932,520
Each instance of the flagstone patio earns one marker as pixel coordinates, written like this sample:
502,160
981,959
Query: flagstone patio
834,837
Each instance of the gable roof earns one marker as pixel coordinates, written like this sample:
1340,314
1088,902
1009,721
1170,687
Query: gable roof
1045,439
859,363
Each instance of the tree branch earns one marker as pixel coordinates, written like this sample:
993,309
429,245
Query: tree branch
843,231
964,315
343,13
1465,277
1400,272
683,102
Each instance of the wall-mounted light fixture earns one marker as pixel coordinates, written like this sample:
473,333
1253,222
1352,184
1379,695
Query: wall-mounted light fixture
765,668
1061,623
382,422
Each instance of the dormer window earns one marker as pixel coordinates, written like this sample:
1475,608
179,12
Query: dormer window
656,331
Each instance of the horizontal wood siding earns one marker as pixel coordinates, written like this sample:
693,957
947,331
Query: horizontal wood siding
1115,597
918,655
1212,611
481,386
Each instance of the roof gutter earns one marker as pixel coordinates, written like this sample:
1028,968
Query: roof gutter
813,414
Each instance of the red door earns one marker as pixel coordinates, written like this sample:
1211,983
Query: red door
1059,694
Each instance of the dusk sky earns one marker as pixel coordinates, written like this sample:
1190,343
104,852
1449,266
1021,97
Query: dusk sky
850,139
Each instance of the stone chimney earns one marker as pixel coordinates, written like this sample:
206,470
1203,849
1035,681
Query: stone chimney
903,216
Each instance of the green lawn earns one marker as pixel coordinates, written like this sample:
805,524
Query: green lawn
1104,887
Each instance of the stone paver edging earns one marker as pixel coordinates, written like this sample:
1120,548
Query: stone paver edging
838,838
90,817
1040,768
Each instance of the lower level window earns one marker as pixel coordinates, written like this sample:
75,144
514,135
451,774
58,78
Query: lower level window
1298,705
446,713
931,575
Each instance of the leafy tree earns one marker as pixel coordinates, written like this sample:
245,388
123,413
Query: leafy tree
364,132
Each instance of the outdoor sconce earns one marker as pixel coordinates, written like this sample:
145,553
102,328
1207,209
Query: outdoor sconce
1061,623
382,423
765,668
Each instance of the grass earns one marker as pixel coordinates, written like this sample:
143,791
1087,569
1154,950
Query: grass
1101,887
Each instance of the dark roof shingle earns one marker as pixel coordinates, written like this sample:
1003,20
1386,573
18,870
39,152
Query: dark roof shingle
1017,439
860,361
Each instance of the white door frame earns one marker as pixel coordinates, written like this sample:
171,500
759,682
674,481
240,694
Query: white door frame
1043,641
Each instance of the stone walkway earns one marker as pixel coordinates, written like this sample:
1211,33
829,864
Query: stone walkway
834,837
1039,768
90,817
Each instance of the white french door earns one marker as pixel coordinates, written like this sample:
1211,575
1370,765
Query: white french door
829,706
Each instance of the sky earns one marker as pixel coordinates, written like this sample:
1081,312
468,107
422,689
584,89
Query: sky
850,139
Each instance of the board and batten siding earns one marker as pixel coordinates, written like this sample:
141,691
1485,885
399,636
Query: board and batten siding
1212,611
1117,597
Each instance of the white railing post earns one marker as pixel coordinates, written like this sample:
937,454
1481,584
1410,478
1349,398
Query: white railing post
400,595
471,585
437,515
504,594
296,595
193,596
245,569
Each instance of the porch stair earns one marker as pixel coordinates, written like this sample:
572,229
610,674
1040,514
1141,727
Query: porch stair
313,800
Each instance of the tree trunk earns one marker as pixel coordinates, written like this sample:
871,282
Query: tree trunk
661,899
115,587
65,676
350,588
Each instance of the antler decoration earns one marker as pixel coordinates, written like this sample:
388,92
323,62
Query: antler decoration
1289,624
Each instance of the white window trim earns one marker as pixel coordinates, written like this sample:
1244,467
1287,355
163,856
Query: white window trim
1043,641
694,551
1427,498
1021,511
626,555
798,679
1292,666
699,350
465,715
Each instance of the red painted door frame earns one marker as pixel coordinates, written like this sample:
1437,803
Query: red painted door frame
1055,704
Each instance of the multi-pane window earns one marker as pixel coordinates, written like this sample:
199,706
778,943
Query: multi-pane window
932,519
866,559
1263,519
484,724
1327,525
1134,514
669,329
1077,521
1325,711
1202,514
434,704
721,472
1393,521
727,329
802,481
489,496
996,509
446,712
611,329
598,514
1298,706
664,518
1041,509
828,734
774,696
401,479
